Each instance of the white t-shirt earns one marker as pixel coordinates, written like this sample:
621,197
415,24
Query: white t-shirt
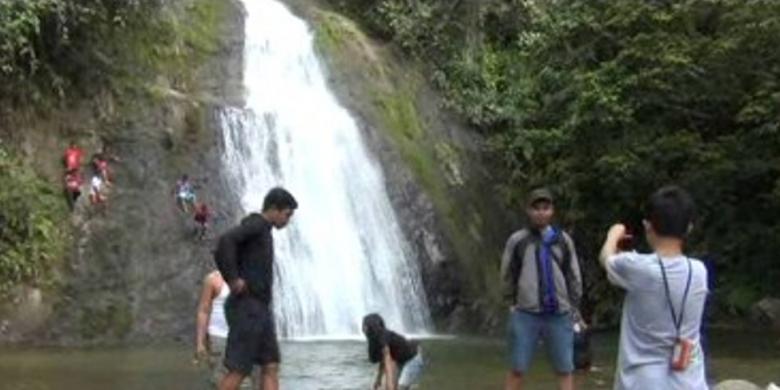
217,323
97,183
647,331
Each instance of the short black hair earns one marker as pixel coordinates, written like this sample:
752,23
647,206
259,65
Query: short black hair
280,199
670,210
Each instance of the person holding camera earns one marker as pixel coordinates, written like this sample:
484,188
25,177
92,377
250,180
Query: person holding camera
665,293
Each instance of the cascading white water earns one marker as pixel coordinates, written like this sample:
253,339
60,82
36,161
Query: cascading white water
344,254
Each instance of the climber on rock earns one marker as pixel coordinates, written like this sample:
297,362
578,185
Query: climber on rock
72,157
202,215
185,193
97,196
100,163
73,182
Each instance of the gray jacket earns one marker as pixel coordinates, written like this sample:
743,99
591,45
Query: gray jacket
523,290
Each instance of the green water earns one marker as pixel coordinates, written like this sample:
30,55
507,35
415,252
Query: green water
462,363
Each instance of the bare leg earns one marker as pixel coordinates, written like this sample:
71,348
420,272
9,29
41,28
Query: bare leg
514,381
231,381
566,381
103,205
270,377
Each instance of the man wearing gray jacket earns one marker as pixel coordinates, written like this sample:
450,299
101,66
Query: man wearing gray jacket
541,283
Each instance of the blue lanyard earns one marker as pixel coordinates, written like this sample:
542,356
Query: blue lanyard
677,321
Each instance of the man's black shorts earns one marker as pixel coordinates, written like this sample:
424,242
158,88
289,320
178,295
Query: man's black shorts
252,334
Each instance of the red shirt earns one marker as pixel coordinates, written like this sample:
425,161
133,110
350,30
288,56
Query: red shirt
73,158
202,214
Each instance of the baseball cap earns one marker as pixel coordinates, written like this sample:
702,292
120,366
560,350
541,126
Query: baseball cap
539,194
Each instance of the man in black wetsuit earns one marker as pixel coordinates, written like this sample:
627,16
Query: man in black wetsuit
245,257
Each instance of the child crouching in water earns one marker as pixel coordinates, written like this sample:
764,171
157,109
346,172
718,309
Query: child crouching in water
400,360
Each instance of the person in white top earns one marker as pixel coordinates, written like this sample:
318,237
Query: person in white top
660,345
212,328
96,195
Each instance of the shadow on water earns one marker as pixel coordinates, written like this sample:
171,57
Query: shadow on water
464,363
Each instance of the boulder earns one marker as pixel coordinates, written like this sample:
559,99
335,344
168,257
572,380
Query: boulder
736,384
767,312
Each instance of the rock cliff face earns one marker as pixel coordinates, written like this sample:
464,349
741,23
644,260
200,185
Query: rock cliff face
134,272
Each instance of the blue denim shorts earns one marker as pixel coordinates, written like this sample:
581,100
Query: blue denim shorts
526,328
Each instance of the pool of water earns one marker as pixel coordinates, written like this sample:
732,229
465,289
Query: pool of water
459,363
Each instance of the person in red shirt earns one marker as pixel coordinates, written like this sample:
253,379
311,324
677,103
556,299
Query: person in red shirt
72,158
202,216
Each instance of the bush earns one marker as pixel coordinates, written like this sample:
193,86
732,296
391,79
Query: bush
32,216
49,46
610,100
607,100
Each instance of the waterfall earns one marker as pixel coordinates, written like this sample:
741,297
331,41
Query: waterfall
344,254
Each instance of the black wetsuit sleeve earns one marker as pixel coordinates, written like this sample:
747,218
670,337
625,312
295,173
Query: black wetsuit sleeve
226,255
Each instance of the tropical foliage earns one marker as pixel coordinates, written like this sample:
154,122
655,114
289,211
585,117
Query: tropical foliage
605,101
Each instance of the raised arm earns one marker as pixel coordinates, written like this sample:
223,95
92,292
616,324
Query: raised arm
610,247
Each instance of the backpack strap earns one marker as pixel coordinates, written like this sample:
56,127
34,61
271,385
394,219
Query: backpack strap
516,264
564,262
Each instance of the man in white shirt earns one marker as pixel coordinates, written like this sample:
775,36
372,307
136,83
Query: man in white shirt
665,292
